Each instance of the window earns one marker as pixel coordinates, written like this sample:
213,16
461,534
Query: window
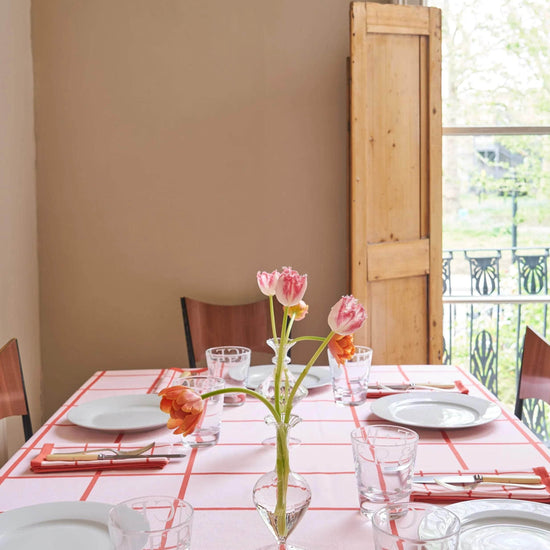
496,118
496,184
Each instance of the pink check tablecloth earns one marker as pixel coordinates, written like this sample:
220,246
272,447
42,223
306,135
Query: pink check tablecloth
218,481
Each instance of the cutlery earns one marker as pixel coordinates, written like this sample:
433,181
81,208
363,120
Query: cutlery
526,480
103,456
411,386
116,452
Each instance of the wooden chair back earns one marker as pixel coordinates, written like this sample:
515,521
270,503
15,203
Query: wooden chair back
210,325
13,397
534,378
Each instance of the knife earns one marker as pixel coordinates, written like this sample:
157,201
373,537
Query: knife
525,479
410,386
103,456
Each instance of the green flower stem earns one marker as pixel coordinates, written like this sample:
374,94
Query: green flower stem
288,330
282,467
253,393
303,374
308,338
278,368
272,315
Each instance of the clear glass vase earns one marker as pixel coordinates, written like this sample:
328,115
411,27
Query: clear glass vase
281,496
287,381
291,441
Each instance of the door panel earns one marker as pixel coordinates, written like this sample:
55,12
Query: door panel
401,333
395,188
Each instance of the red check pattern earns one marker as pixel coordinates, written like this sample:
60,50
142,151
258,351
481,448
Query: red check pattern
40,464
377,389
218,481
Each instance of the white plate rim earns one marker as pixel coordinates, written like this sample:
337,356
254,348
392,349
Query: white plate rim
15,519
489,411
79,415
324,377
471,510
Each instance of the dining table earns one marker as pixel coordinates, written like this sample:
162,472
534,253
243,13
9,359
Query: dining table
218,480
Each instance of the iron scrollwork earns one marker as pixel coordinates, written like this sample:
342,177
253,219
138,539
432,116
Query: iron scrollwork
534,417
484,361
532,279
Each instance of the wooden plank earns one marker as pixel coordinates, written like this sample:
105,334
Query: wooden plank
435,296
393,135
399,335
358,139
396,19
397,260
348,169
424,173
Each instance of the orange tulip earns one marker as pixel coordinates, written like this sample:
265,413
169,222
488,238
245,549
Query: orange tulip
184,406
299,310
342,347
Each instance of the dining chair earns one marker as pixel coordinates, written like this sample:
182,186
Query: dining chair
210,325
534,380
13,396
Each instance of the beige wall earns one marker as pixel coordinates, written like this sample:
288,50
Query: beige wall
18,263
182,146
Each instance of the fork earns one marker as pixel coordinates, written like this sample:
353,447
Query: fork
116,452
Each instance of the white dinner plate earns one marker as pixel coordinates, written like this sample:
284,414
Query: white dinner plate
435,409
121,413
499,524
315,378
56,526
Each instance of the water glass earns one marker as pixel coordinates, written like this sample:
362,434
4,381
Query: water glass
415,526
384,458
207,431
350,381
151,523
230,363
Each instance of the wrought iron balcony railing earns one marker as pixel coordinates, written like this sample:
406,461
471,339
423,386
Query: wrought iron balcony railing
490,295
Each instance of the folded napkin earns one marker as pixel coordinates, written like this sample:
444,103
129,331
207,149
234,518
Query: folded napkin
147,460
373,390
437,493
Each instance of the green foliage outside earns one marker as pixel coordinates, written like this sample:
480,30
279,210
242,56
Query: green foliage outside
496,72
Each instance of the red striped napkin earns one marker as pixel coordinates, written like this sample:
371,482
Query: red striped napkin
147,460
436,493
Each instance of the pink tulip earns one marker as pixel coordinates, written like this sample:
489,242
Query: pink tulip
267,282
291,287
346,316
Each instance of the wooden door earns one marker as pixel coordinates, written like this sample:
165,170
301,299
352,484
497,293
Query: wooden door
395,188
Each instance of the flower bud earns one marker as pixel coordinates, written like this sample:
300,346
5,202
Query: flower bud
299,310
